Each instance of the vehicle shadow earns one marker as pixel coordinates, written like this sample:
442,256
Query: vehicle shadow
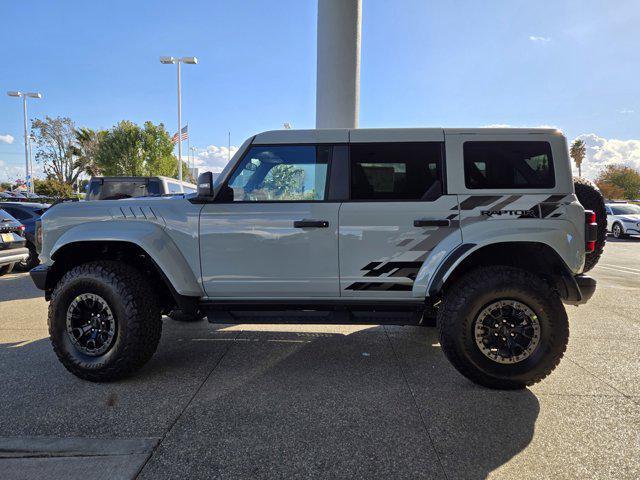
18,286
292,401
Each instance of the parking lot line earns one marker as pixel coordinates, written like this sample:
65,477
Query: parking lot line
636,270
617,269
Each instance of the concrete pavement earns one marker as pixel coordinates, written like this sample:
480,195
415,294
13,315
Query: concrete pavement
283,401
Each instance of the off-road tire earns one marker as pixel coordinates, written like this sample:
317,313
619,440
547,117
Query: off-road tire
591,199
466,298
7,268
135,308
31,262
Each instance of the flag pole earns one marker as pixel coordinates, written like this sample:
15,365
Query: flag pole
188,151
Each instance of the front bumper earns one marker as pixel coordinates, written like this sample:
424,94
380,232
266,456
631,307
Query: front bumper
13,255
39,276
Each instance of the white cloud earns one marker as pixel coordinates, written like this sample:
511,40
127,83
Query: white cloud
538,39
607,151
626,111
6,139
10,172
214,158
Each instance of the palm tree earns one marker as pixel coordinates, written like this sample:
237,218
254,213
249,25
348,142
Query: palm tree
87,141
577,152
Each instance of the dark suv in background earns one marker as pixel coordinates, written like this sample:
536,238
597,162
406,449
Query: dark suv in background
27,213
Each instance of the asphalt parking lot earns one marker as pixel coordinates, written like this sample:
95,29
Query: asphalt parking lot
293,401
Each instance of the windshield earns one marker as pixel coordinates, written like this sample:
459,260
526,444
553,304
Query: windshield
626,209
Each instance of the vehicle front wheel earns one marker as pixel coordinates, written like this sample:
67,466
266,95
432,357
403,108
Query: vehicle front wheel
616,230
104,320
503,327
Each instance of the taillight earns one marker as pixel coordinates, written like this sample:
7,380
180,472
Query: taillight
591,231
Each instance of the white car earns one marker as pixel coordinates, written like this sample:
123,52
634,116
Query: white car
623,219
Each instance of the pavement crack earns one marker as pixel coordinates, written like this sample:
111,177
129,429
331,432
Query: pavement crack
628,397
415,403
175,421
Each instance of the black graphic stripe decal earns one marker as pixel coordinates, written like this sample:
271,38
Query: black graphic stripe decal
477,201
379,286
411,268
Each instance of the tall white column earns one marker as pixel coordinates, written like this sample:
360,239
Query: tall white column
338,68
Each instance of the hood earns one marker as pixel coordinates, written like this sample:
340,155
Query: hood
628,218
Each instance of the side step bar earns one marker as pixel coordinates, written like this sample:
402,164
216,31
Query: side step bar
314,311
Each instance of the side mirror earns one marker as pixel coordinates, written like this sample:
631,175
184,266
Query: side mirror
205,184
225,194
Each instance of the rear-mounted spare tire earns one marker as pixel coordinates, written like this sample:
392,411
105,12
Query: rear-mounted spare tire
591,199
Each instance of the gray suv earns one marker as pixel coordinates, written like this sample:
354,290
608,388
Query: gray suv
480,227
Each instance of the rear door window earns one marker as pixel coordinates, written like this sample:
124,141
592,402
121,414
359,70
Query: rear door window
508,165
395,171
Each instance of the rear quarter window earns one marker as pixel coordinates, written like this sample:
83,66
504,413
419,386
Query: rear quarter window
508,165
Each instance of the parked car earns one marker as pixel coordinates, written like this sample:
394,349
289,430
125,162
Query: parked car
12,242
27,213
623,219
482,226
113,188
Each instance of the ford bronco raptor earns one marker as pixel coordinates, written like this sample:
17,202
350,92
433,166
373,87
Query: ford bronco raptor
480,226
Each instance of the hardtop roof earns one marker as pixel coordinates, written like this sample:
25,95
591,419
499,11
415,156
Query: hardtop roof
345,135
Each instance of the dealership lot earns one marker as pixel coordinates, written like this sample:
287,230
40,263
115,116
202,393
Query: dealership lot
283,401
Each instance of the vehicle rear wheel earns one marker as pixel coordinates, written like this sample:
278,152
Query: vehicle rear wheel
104,320
590,198
31,261
503,327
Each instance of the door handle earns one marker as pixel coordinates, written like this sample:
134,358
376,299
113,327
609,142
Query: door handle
310,224
424,222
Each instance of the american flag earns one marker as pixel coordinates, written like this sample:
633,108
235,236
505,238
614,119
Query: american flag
184,133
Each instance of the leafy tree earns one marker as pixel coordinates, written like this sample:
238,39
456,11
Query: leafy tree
610,192
52,187
55,143
128,149
622,179
578,151
157,151
120,151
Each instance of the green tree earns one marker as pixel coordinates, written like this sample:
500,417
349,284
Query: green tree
120,151
617,178
55,144
157,150
52,187
578,151
128,149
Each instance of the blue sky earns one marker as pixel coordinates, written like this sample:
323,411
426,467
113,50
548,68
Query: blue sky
570,64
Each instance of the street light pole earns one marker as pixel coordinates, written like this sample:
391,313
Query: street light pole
179,125
28,162
26,145
178,61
